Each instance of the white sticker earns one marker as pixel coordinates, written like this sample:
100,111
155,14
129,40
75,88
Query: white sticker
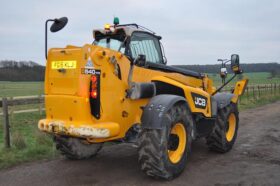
89,64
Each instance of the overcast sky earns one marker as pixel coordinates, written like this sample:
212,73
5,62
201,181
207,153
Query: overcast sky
193,31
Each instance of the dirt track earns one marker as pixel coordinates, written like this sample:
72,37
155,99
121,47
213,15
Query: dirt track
254,160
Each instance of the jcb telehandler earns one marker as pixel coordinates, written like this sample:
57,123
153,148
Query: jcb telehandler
119,88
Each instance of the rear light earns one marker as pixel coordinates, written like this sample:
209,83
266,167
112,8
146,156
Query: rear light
94,86
94,94
93,78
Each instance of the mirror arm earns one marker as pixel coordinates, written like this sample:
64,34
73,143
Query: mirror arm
46,37
218,90
227,61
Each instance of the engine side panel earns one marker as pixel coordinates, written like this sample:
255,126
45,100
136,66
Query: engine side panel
198,100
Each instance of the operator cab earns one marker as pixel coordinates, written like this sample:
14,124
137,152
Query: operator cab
133,40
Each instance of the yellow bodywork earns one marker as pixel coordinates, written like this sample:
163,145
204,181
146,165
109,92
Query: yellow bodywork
239,89
67,95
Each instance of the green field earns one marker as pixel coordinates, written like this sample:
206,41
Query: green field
11,89
261,78
255,78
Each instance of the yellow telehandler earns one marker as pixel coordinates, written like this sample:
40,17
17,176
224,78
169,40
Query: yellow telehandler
120,88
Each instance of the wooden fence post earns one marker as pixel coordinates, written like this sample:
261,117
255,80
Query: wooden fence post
11,108
254,92
40,104
259,91
247,89
6,123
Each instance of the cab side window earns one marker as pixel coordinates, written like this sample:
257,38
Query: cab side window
145,44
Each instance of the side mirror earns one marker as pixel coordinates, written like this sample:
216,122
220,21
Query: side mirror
140,61
235,67
223,72
59,24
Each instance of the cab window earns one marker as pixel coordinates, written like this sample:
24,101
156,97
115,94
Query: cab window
145,44
110,43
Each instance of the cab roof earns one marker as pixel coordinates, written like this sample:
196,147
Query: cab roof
120,32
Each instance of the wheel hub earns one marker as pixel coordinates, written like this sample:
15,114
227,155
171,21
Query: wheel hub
173,142
230,127
177,142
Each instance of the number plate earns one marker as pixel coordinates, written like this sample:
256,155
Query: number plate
63,64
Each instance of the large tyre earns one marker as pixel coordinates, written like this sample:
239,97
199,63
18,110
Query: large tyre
76,149
225,131
163,153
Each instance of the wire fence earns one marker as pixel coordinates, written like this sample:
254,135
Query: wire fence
255,92
10,107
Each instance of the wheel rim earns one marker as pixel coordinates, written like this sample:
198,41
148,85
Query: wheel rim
176,154
231,127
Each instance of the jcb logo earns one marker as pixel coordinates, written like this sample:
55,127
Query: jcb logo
199,101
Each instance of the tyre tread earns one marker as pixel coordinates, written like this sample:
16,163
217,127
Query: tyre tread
216,141
74,149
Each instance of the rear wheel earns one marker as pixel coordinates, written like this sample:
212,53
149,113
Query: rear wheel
163,152
225,131
76,149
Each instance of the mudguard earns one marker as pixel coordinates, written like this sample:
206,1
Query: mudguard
154,111
223,99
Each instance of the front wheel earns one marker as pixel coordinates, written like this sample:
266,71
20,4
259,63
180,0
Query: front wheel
224,134
163,153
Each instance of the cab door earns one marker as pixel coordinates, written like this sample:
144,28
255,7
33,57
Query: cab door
146,44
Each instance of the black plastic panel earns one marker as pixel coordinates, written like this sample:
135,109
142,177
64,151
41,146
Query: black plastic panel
95,102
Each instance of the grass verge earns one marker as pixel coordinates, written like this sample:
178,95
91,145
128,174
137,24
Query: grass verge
252,103
28,143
